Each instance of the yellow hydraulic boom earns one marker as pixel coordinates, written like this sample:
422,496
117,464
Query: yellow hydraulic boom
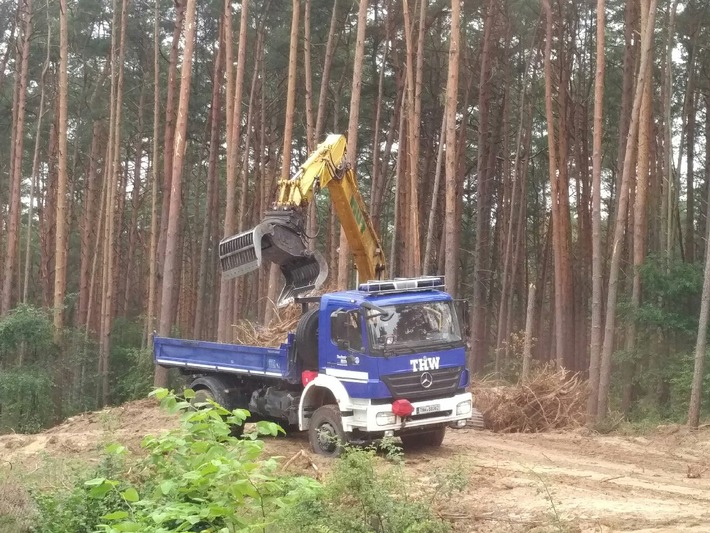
281,239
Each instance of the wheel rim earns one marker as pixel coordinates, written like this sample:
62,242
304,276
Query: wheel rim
327,438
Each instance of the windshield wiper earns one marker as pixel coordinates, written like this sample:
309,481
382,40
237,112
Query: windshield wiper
382,313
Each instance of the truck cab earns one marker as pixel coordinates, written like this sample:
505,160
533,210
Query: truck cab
392,355
385,360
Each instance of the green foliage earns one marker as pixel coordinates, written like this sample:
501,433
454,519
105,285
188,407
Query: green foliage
195,478
136,380
362,496
25,400
77,510
201,478
25,331
667,326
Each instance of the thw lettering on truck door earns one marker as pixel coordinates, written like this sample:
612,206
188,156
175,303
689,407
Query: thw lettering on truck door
424,364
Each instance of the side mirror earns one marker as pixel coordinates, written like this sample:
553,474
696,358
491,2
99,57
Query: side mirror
343,344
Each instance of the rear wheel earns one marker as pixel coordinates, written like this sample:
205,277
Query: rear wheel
433,439
204,393
325,431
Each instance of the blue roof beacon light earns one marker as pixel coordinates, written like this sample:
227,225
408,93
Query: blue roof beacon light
389,286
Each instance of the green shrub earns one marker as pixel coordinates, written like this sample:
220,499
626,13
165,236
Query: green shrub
28,330
363,496
201,478
25,400
76,510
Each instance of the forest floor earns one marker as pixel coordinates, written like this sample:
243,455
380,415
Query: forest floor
567,481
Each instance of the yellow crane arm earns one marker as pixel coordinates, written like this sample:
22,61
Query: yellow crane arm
280,237
326,167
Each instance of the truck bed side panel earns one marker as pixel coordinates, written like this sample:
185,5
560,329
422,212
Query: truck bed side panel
203,356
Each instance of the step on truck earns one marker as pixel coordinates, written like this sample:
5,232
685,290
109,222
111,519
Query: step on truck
385,360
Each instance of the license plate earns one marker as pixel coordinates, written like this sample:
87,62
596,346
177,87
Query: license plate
428,409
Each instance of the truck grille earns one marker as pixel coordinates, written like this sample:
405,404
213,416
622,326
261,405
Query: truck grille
445,382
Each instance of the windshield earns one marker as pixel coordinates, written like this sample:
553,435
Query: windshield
413,326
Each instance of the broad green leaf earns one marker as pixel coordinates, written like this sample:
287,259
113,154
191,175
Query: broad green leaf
130,495
100,491
129,526
116,515
115,449
167,486
159,393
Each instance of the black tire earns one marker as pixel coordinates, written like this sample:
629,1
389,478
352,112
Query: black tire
307,340
325,431
432,439
212,389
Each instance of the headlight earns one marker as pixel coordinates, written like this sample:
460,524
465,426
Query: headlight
463,408
385,419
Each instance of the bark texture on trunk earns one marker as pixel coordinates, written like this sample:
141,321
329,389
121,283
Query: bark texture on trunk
597,273
170,267
609,325
452,85
18,136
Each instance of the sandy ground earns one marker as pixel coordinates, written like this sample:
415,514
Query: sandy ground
566,481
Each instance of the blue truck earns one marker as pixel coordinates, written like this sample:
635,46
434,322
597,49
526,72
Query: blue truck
385,360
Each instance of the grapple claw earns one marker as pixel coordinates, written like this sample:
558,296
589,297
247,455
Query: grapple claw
279,239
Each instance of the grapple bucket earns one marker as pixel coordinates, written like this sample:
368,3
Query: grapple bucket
279,239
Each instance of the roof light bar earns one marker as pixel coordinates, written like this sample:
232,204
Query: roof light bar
424,283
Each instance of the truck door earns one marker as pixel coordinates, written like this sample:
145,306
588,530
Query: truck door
345,354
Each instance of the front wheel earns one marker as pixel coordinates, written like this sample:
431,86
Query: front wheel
418,440
325,431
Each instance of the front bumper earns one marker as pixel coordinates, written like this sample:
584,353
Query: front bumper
439,411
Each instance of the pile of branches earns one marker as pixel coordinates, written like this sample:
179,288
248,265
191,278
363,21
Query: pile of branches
275,333
271,336
549,399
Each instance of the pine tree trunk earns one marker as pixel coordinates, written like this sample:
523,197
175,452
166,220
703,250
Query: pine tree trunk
13,232
344,256
131,270
308,79
112,180
170,276
429,247
325,79
527,346
237,120
412,251
88,225
701,342
34,183
169,140
153,252
212,185
668,133
690,163
232,219
48,217
288,137
640,217
597,273
481,252
60,251
452,85
609,329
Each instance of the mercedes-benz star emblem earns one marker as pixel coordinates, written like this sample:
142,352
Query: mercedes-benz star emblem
426,380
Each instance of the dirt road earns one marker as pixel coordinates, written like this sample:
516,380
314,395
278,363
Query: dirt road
567,481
